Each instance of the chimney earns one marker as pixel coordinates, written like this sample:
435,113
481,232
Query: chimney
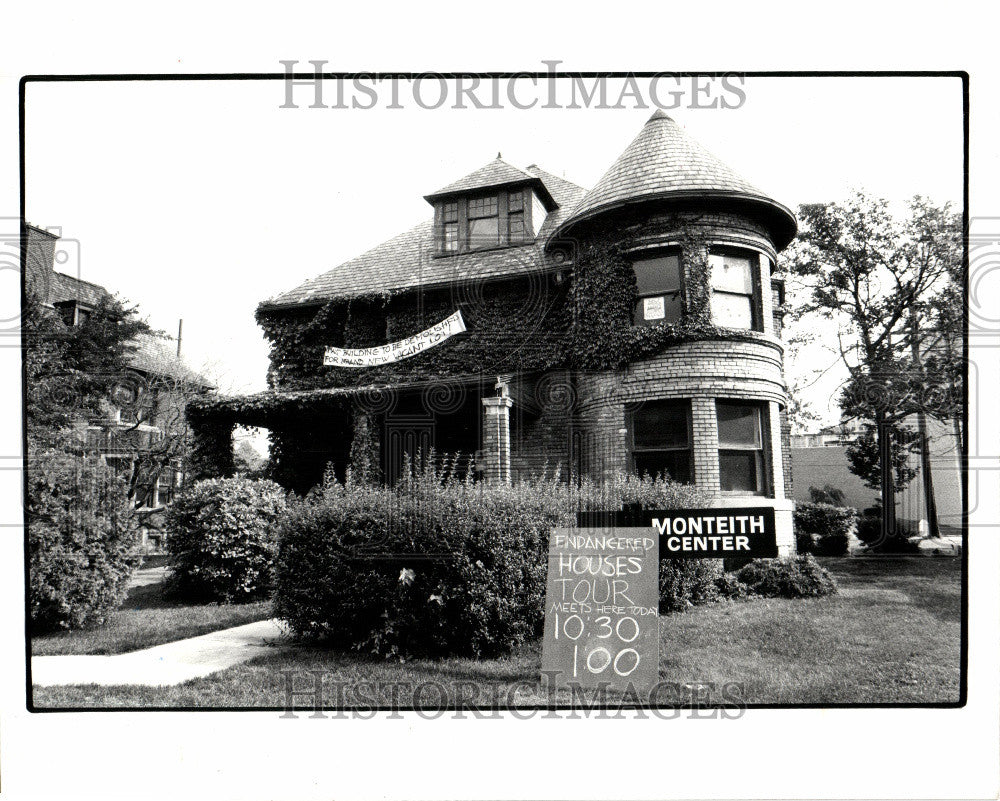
40,249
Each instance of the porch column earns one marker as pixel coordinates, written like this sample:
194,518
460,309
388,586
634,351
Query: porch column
496,438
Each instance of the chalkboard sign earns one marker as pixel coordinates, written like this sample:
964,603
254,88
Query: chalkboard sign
601,603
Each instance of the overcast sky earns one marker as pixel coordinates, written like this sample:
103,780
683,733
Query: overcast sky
199,200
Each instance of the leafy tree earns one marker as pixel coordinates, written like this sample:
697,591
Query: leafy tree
73,370
863,456
878,277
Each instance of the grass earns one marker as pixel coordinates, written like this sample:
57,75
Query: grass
148,617
892,634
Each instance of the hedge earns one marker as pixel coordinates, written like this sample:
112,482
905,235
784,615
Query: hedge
824,529
221,534
796,577
438,567
82,540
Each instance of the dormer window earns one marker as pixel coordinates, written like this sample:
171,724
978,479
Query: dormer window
517,230
484,222
449,234
481,221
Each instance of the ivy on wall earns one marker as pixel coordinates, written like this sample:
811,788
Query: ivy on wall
529,324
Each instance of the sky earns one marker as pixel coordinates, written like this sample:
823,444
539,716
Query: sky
198,200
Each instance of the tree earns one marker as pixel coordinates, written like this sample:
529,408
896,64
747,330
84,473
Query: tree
73,370
864,459
873,275
81,527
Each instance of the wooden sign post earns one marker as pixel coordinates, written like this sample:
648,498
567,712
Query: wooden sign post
602,599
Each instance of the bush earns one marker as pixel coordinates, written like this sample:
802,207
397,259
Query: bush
435,566
823,529
797,577
689,582
731,587
830,495
221,537
82,540
870,533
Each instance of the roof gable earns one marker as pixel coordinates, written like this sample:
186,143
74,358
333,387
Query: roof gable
497,173
408,260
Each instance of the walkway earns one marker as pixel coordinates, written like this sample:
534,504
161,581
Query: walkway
161,665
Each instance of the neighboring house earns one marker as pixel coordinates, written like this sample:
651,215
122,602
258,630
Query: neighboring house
684,307
830,436
142,431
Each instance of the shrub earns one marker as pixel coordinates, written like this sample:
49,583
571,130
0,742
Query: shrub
221,537
435,566
796,577
823,529
689,582
870,533
729,586
830,495
82,540
428,573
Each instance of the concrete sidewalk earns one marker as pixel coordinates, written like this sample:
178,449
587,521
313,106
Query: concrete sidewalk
161,665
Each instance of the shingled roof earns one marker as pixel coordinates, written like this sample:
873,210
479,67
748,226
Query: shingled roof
64,287
663,162
156,355
408,260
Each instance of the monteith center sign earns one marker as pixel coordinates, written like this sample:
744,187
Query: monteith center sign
394,351
700,533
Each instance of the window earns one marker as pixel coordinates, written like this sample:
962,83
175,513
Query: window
661,439
471,223
658,281
165,487
741,447
484,222
733,298
516,229
449,219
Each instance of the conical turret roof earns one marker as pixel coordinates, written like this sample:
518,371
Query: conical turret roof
664,162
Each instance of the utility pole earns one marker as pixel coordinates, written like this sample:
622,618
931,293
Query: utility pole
930,506
180,329
884,429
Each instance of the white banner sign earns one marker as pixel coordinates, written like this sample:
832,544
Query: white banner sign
394,351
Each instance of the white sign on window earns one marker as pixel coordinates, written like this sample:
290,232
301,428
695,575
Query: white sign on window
652,308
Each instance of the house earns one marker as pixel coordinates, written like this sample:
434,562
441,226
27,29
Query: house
829,436
142,430
529,323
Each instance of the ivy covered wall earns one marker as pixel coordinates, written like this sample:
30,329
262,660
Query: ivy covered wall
576,318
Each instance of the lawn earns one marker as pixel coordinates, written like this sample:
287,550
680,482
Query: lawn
892,634
148,618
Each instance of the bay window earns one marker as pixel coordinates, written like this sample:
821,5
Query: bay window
742,467
660,433
734,290
658,282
